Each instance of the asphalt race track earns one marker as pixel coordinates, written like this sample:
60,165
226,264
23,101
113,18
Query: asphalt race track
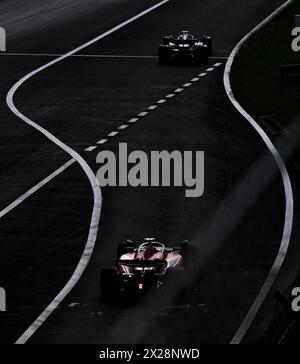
237,224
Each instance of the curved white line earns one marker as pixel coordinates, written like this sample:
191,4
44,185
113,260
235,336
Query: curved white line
92,236
92,178
289,212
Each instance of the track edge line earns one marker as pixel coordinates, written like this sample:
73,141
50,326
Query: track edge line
289,210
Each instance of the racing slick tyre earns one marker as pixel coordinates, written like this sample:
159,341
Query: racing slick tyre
109,284
163,55
191,260
125,248
176,283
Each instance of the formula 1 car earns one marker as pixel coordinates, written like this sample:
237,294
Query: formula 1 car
145,266
185,48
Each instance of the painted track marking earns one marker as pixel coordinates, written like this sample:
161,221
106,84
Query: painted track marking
90,149
96,190
113,134
142,114
92,178
289,212
37,187
134,120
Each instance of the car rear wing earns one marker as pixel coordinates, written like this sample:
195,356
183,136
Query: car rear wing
143,263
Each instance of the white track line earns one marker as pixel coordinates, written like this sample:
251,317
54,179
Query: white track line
113,134
90,149
37,187
134,120
92,178
92,236
142,114
123,127
289,212
55,55
120,56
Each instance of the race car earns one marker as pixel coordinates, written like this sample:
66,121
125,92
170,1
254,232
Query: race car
145,266
185,48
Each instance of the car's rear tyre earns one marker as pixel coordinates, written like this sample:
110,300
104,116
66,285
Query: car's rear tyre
201,55
176,283
163,55
109,283
191,260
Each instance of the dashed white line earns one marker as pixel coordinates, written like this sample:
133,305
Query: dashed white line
210,69
143,113
90,149
113,134
72,305
123,127
151,108
102,141
217,64
203,74
134,120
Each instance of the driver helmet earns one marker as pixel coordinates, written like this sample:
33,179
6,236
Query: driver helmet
149,250
184,35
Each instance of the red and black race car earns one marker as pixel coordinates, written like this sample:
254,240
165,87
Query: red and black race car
145,266
185,48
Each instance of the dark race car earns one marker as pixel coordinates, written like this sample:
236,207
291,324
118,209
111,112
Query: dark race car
185,48
145,266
